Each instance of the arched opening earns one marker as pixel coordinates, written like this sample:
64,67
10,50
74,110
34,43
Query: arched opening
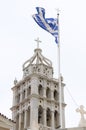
40,90
48,93
56,95
48,117
40,115
56,119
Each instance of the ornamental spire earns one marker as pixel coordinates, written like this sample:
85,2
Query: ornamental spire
37,58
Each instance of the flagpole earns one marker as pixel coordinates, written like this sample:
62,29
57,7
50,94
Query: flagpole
59,74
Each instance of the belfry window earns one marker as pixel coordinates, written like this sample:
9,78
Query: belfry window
56,119
40,115
40,90
48,93
48,115
55,95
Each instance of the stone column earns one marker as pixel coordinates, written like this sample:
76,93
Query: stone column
25,93
20,121
44,93
63,120
34,114
34,85
52,120
52,95
45,84
14,94
25,120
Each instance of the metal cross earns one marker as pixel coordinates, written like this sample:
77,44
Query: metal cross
38,41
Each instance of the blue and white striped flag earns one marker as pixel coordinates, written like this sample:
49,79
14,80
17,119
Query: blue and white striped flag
48,24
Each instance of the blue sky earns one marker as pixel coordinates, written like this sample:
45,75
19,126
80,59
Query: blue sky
17,33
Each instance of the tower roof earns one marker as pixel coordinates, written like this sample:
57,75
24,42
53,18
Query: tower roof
37,58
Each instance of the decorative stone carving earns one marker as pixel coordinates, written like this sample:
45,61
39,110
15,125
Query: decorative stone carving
81,110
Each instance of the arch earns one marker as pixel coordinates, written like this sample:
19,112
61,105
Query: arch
56,119
40,90
48,93
56,95
48,117
40,115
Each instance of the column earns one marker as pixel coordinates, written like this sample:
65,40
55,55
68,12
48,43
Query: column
34,114
14,94
34,84
52,120
63,120
20,121
25,93
52,95
44,93
25,120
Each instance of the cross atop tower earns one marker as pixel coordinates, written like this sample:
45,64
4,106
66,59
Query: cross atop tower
38,41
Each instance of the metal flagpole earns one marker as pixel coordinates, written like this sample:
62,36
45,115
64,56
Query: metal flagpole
59,73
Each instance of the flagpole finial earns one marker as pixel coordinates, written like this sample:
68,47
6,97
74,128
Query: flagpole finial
57,11
38,41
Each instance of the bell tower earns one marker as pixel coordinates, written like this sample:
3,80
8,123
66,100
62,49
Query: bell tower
36,96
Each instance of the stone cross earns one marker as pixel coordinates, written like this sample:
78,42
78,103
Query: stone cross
81,110
38,41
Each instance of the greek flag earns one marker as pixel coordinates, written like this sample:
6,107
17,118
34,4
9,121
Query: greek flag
48,24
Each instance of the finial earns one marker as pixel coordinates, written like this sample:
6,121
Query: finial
15,81
38,41
57,11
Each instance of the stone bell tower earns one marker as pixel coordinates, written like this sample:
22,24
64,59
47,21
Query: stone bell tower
36,96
